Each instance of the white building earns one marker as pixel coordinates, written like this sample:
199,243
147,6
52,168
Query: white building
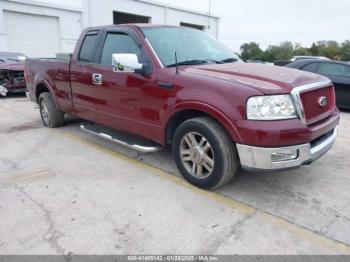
46,27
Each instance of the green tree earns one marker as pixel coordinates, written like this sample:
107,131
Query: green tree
282,52
345,50
287,50
251,50
314,49
330,49
270,54
299,50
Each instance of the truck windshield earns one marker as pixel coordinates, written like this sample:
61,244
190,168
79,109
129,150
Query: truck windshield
191,46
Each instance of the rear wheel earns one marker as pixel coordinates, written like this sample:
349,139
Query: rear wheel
204,153
50,114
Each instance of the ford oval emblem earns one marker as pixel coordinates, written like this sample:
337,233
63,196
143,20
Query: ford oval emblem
323,101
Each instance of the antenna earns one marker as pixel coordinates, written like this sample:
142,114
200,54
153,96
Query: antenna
177,65
209,18
165,13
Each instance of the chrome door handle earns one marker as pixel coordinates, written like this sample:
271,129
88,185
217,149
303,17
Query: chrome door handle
97,79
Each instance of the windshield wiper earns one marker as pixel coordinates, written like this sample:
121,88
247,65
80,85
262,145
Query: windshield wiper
196,62
12,59
190,62
229,60
215,61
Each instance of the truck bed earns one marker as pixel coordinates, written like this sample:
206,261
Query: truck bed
55,73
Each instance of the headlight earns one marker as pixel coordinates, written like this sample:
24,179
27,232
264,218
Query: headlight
276,107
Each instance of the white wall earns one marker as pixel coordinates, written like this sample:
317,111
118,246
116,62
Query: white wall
69,17
67,3
97,12
74,15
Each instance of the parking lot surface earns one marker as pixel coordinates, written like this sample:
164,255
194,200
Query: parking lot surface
63,191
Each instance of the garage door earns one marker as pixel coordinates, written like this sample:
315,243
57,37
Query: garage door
33,35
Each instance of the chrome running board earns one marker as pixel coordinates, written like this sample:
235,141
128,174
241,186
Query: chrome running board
127,140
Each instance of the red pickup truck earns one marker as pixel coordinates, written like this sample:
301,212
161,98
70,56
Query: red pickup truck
178,86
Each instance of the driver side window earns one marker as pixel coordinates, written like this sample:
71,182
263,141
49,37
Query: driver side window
118,43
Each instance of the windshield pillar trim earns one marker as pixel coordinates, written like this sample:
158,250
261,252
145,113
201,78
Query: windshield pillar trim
154,53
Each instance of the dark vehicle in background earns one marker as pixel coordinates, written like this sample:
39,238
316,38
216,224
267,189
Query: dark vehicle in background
302,57
281,62
255,61
12,73
338,72
297,58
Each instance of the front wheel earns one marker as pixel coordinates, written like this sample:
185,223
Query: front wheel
205,153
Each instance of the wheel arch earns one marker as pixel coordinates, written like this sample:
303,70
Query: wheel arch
44,86
186,111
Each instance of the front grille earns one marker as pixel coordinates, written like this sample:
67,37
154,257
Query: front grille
310,101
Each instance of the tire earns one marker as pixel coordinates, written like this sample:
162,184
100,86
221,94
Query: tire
50,115
204,143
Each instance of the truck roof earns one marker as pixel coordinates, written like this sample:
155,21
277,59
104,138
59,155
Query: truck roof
140,25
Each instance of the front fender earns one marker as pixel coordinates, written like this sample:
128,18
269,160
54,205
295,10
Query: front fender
208,109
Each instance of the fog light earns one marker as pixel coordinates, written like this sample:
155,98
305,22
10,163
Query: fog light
284,155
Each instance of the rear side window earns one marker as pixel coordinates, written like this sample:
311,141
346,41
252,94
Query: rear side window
88,47
333,69
347,71
310,67
118,43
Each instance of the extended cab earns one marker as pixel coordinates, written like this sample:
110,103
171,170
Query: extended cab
180,87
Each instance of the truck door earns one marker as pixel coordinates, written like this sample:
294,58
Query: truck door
81,77
127,101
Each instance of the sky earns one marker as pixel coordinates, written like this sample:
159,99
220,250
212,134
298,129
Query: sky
270,22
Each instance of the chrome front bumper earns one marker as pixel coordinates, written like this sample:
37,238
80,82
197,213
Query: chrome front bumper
261,158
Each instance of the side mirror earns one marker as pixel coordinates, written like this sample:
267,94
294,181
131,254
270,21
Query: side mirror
127,63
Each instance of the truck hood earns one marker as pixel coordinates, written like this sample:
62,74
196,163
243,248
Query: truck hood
14,66
265,78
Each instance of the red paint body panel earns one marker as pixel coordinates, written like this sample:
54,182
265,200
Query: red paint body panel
14,74
283,133
55,76
15,66
265,78
138,104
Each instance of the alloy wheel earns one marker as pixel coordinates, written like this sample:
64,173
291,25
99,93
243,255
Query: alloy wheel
197,155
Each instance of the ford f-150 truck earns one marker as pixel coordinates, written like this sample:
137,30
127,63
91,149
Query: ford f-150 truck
179,87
